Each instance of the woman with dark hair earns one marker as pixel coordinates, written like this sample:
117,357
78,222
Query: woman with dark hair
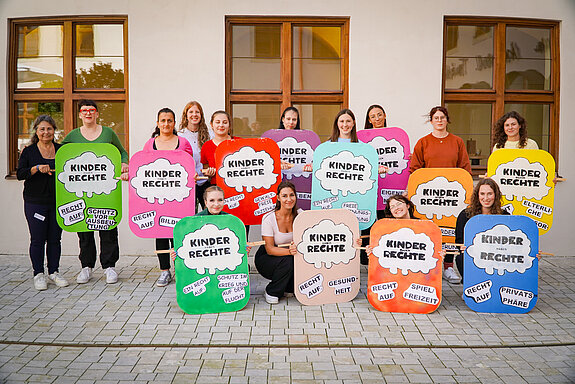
194,129
36,167
399,207
440,149
165,138
511,132
485,200
344,129
272,262
289,119
375,117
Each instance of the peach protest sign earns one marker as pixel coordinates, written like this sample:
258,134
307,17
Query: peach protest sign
249,172
405,268
326,265
525,177
162,191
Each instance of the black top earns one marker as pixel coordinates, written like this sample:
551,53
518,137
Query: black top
39,188
462,219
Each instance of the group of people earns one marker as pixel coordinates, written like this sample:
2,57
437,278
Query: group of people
36,167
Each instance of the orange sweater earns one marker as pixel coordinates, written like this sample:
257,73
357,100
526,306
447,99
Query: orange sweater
448,152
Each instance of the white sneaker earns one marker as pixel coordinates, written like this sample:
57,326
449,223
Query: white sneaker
111,275
271,299
40,282
58,280
451,276
164,279
84,276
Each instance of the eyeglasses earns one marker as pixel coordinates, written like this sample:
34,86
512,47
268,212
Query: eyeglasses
396,205
87,111
439,118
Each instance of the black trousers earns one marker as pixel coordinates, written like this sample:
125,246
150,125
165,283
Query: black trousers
45,234
109,248
164,258
278,269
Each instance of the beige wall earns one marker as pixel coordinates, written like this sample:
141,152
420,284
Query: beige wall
176,53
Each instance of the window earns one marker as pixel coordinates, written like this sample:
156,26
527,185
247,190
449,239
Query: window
55,62
492,66
275,62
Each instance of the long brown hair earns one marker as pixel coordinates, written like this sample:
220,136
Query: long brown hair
500,137
335,131
203,134
474,207
410,206
286,184
368,124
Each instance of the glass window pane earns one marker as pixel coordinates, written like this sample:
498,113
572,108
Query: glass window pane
528,58
472,122
256,49
316,58
29,111
40,59
251,120
537,117
318,118
469,60
111,115
100,56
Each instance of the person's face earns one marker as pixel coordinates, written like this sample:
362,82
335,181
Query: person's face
345,125
399,209
511,127
287,198
166,123
45,132
221,125
486,196
89,114
290,119
439,121
377,118
215,202
194,115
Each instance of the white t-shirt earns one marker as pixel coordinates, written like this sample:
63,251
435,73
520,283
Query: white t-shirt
270,228
192,137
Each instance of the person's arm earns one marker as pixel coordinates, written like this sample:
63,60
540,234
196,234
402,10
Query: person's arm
115,140
185,146
271,248
25,169
460,226
207,170
463,157
417,159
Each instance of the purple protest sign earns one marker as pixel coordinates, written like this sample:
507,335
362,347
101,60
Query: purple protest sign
296,147
393,150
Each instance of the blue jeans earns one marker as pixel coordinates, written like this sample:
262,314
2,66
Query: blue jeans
45,234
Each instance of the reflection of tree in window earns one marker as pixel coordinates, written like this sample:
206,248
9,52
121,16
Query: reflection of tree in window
100,75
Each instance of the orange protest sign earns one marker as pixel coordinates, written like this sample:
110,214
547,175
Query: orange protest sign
405,268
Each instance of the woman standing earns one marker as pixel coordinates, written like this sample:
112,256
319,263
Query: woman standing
36,167
344,130
221,125
375,117
485,200
194,129
289,119
440,149
511,132
165,138
272,262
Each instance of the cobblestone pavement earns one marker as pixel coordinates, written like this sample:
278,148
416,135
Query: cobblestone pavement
134,332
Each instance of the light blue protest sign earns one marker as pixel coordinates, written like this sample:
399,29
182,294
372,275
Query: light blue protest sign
345,176
501,268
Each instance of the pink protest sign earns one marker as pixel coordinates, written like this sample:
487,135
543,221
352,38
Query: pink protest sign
162,191
327,263
296,147
392,147
249,172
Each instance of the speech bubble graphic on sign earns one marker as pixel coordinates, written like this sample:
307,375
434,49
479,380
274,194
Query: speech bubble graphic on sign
525,177
345,173
249,173
500,271
405,268
327,264
161,180
88,189
212,274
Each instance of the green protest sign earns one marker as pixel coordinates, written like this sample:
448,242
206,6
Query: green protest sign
88,187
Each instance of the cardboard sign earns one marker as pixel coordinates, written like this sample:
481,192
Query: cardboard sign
393,150
212,274
525,177
248,170
405,268
162,191
327,264
501,269
296,147
88,187
345,176
440,194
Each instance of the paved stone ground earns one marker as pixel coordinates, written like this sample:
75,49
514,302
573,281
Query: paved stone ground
134,332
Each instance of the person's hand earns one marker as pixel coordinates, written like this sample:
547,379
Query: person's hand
292,248
382,169
285,165
173,255
210,171
248,249
308,167
43,168
369,249
442,253
125,172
